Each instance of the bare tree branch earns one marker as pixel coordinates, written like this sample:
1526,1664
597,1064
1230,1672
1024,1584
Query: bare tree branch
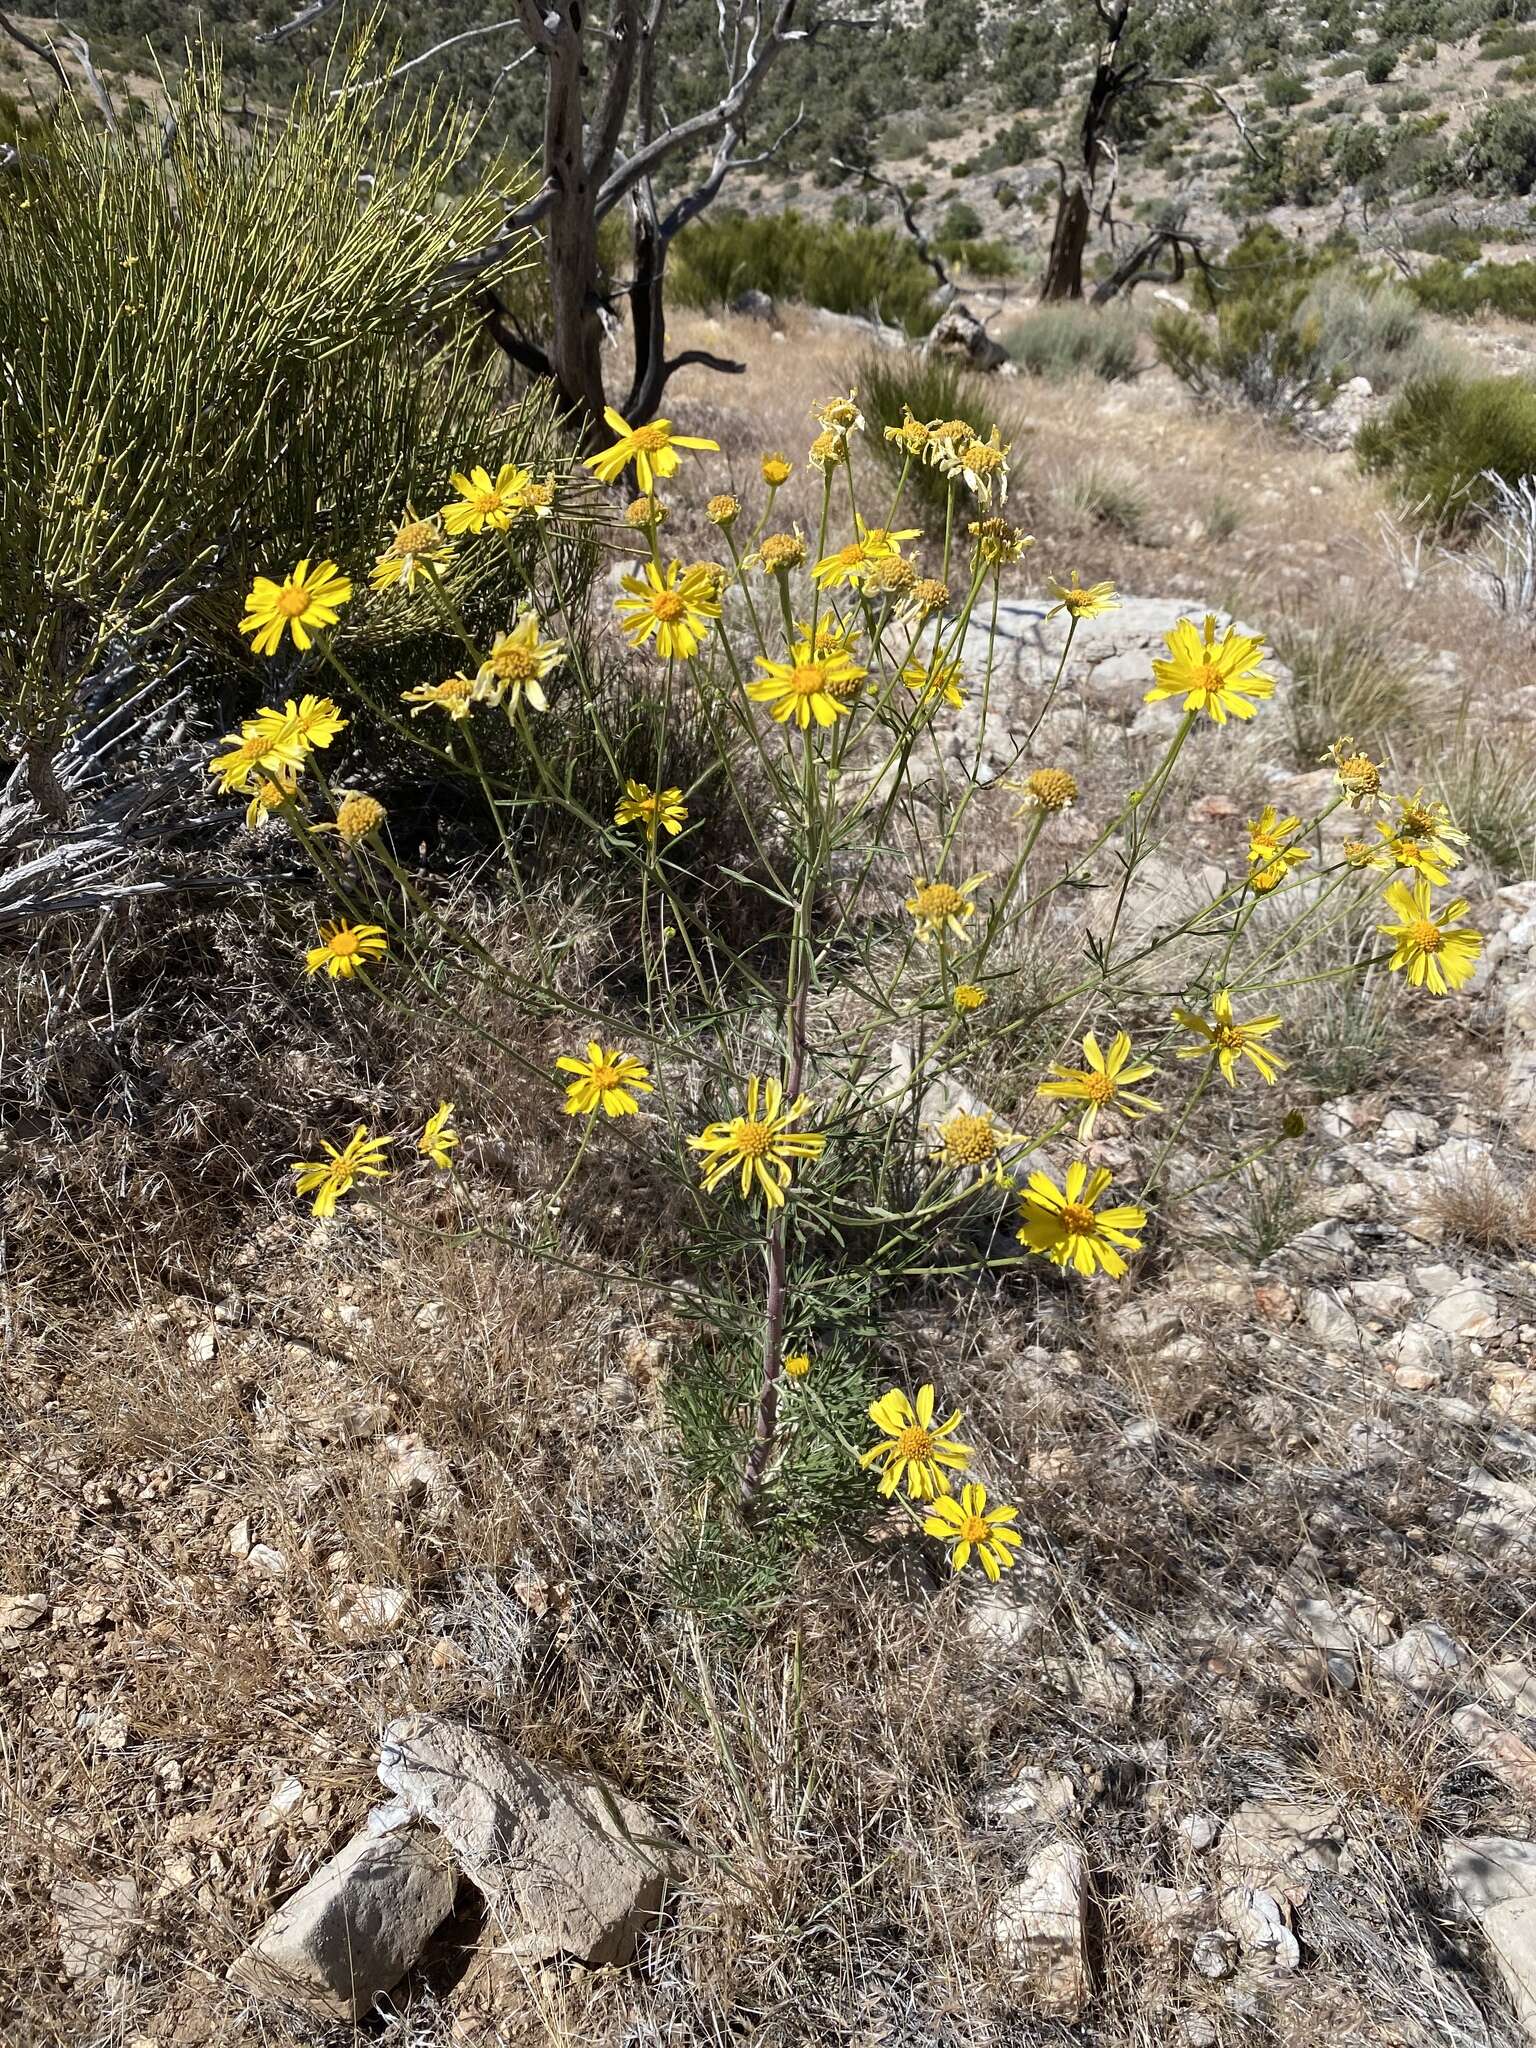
624,39
1233,113
306,17
80,50
466,35
45,51
925,248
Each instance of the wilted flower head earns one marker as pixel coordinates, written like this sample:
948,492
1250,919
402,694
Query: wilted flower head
781,552
723,509
1359,776
828,450
645,511
998,541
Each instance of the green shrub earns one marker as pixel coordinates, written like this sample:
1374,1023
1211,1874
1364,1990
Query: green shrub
1371,328
1442,434
1285,89
1498,148
1447,287
961,222
867,271
1380,64
1444,238
986,258
1057,342
935,387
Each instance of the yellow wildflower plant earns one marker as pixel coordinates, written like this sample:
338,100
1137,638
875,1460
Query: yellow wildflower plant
1222,1037
358,817
914,1449
1046,789
940,910
653,809
607,1079
485,501
516,667
345,949
780,553
813,684
1065,1225
850,565
761,1145
439,1140
933,681
840,415
912,435
1222,677
1106,1082
971,1528
674,610
417,549
454,696
328,1179
777,469
973,1141
1000,544
645,512
269,793
966,997
1081,603
797,1365
306,602
1423,822
1428,944
723,509
652,449
1359,777
256,753
1272,851
829,450
1429,859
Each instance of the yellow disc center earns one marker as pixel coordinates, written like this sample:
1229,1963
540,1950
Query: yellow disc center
973,1530
915,1444
649,440
1099,1088
414,539
668,607
939,900
292,599
1078,1220
1426,937
753,1140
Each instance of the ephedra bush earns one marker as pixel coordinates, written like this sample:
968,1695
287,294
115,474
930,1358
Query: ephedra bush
792,1101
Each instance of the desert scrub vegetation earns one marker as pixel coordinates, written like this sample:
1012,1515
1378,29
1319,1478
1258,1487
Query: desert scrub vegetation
1063,341
1445,438
871,272
774,1063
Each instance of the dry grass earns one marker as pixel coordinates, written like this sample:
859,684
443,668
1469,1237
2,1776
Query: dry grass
1481,1205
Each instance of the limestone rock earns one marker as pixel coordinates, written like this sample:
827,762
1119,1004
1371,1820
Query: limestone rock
1036,1794
96,1918
1515,1684
354,1930
1469,1311
1038,1924
1495,1879
1500,1750
1422,1658
569,1866
1261,1922
1278,1845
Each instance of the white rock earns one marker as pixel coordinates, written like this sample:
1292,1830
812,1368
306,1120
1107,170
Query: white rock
568,1866
1038,1925
362,1611
353,1931
1515,1684
1036,1794
21,1611
1437,1280
1500,1750
261,1557
1200,1829
96,1920
1278,1845
417,1474
1422,1659
1495,1879
1388,1300
1331,1322
1470,1311
1260,1922
1402,1132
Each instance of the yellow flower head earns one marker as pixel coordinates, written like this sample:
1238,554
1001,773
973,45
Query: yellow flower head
914,1447
1219,677
851,564
1359,853
840,415
362,1158
1427,945
418,548
269,793
1000,543
780,553
926,596
439,1140
304,603
606,1079
929,681
652,449
813,683
484,501
1066,1226
653,809
968,1525
1046,789
940,910
1422,822
891,576
723,510
1222,1036
970,1140
1105,1082
647,512
777,469
454,695
966,996
951,433
356,817
344,948
1271,851
675,608
760,1145
1079,603
828,450
797,1365
912,435
1429,858
257,754
1359,777
517,665
983,466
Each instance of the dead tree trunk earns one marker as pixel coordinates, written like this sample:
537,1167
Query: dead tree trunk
1079,190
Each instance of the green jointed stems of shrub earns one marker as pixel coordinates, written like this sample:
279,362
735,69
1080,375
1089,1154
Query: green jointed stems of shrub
793,1117
1441,436
867,271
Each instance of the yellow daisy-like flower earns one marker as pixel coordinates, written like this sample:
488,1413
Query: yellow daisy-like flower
1359,853
1271,854
851,564
780,553
840,415
930,681
1426,823
606,1079
1000,543
486,501
314,721
646,512
814,683
1065,1225
1358,775
777,469
892,576
927,595
970,1140
655,809
676,608
940,910
356,817
797,1365
1230,1041
362,1158
1105,1083
455,695
984,467
256,755
517,665
439,1140
914,1447
304,603
344,948
723,510
1427,947
1218,677
269,793
1081,603
1431,861
912,435
1046,789
968,1525
760,1145
652,449
966,997
418,547
828,450
533,500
